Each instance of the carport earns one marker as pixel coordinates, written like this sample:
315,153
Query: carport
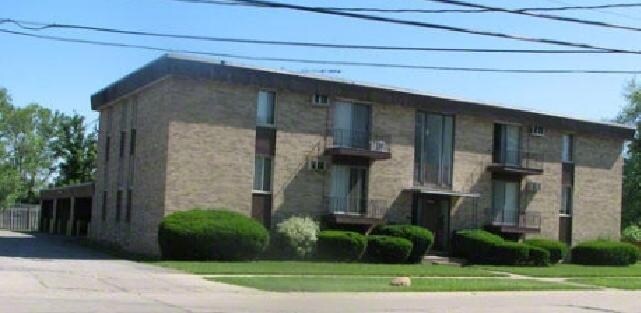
67,210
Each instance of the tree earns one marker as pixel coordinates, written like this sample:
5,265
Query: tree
76,151
631,115
26,136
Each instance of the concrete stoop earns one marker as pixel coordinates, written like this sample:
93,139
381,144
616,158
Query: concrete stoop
443,259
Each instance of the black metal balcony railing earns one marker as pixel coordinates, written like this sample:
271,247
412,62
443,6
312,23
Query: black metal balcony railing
519,158
358,139
515,219
370,208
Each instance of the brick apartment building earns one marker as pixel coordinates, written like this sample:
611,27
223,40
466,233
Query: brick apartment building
183,132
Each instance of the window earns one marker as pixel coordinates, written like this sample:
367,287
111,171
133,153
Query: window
263,173
128,206
351,126
118,204
507,144
132,141
567,188
123,135
505,201
107,144
434,144
567,152
104,205
348,189
265,108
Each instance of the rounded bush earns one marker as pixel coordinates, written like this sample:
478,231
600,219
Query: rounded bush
475,245
604,252
421,238
558,250
296,237
211,235
632,234
539,256
387,249
509,253
338,245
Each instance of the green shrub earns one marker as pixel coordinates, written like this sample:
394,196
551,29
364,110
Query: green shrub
387,249
558,250
296,237
604,252
421,238
509,253
211,235
632,233
475,245
539,256
338,245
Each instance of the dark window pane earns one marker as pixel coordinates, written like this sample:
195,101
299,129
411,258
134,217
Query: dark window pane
107,144
265,108
123,135
132,142
265,141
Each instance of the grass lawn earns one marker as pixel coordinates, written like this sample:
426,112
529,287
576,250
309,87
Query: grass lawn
611,282
371,284
571,270
321,268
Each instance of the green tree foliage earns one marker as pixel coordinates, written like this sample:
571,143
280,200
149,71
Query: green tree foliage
38,144
26,134
76,151
631,115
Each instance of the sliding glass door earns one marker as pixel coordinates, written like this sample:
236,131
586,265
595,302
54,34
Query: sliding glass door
507,144
505,201
348,189
434,142
351,128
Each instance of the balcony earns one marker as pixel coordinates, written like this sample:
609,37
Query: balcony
357,143
508,221
355,211
517,162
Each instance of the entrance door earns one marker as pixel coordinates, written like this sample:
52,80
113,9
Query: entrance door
433,213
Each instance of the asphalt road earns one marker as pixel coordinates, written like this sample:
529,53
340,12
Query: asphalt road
50,274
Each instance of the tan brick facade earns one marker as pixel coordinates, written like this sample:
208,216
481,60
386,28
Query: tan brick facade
196,148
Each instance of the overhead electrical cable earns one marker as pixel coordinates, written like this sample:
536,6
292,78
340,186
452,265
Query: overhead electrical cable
323,62
30,25
273,4
434,11
539,15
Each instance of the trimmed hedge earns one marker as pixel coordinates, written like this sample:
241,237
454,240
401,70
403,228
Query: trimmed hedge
475,245
421,238
338,245
211,235
557,250
604,252
482,247
509,253
539,256
387,249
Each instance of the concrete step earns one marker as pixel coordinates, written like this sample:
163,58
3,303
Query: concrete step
443,259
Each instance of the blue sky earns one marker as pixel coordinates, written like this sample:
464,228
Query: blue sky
64,75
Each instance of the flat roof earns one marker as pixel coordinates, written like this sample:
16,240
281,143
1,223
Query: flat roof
207,68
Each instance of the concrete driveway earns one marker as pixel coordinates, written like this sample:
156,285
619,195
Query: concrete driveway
50,274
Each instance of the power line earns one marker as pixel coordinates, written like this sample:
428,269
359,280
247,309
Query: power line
272,4
428,11
30,25
539,15
324,62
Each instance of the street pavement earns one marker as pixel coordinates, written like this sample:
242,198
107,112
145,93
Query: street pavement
43,273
